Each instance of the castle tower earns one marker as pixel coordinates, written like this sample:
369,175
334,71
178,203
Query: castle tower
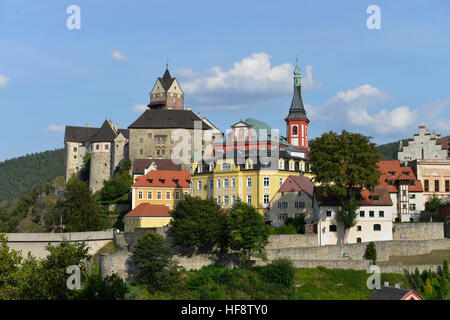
100,147
166,93
296,121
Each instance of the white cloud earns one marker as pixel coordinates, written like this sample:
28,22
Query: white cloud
351,110
55,128
118,56
3,81
250,81
139,108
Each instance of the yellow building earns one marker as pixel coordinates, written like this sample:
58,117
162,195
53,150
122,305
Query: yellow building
161,187
245,177
153,196
147,216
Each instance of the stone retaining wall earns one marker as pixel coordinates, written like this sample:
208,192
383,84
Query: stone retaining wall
418,231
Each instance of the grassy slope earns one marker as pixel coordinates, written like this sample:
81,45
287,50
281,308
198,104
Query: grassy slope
434,257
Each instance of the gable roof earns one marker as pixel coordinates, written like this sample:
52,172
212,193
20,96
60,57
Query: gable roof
79,134
389,293
139,165
298,183
164,178
167,80
366,197
161,118
149,210
105,134
393,171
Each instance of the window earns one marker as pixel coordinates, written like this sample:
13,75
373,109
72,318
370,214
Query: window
141,140
426,186
376,198
361,214
299,216
177,195
163,140
168,195
358,240
299,205
218,183
211,184
249,164
294,130
282,216
333,228
141,152
266,199
140,195
149,195
282,205
159,195
281,182
447,185
226,201
97,147
199,168
371,214
266,182
211,167
328,213
74,157
377,227
199,185
302,166
233,182
149,135
291,166
381,214
249,182
412,206
281,165
358,228
226,183
158,152
412,195
218,200
163,152
75,149
226,166
249,199
158,140
436,185
233,200
186,194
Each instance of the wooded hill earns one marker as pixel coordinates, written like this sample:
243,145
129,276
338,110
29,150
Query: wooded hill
19,175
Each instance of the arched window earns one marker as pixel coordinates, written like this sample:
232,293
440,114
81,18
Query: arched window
333,228
377,227
294,130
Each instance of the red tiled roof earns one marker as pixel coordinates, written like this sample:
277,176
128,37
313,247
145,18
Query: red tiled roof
164,178
392,171
297,183
139,165
149,210
367,198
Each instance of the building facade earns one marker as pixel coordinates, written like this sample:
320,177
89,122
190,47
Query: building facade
147,215
294,199
435,177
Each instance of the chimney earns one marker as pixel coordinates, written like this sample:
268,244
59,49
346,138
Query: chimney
188,108
87,125
397,285
198,114
117,127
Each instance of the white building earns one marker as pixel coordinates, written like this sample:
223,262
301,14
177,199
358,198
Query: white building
374,219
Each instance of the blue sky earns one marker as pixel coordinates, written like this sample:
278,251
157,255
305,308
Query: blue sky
234,59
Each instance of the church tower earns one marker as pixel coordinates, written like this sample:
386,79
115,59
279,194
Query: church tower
167,93
296,121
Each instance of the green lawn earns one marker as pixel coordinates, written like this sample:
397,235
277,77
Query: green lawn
434,257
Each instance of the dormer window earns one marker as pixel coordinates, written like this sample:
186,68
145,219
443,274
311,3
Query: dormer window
249,164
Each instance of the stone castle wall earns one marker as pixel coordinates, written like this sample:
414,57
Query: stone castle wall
418,231
73,159
100,170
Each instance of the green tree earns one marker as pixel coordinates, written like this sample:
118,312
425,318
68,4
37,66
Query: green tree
9,270
418,279
119,185
371,252
445,269
428,289
280,271
153,260
109,288
196,224
343,164
86,169
245,231
80,211
433,203
55,268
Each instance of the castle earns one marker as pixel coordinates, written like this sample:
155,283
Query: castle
154,135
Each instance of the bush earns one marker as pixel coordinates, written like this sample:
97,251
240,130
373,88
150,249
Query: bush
109,288
280,271
285,229
371,252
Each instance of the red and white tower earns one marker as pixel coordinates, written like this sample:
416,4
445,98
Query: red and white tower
296,121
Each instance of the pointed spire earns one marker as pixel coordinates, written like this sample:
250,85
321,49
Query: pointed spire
297,110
